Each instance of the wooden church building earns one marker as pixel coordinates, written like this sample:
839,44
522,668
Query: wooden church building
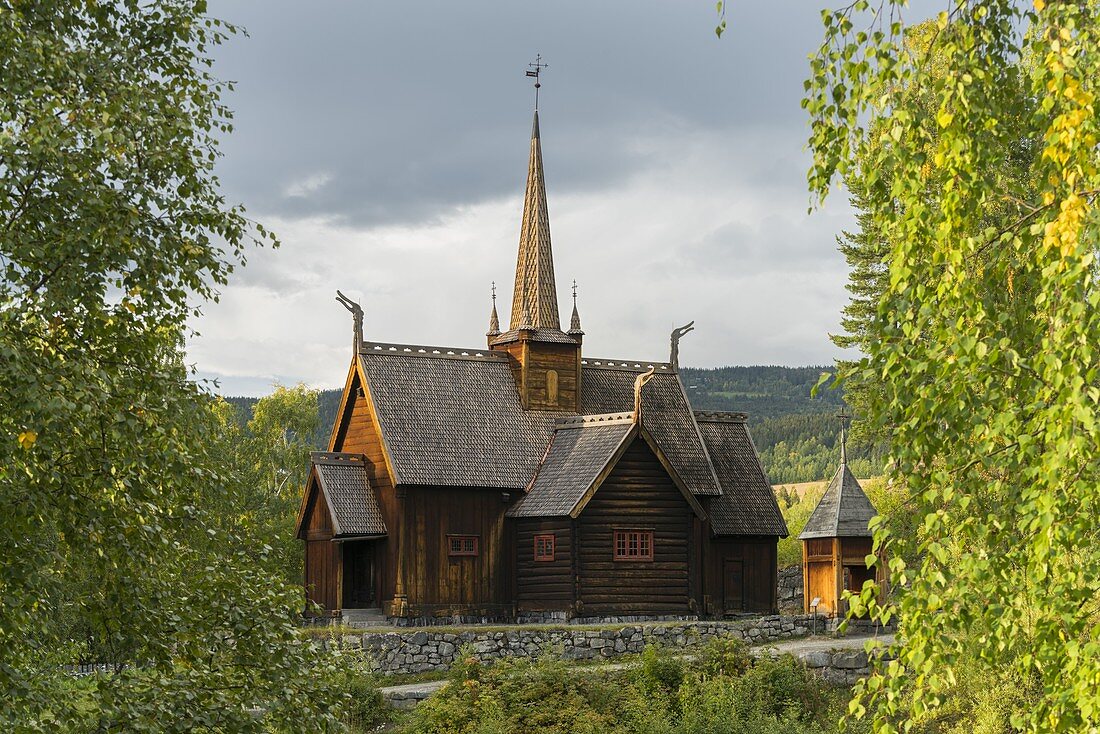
836,541
528,479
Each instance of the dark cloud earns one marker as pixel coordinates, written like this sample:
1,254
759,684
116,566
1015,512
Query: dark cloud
386,142
403,111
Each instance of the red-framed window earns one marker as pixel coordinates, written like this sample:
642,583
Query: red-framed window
544,547
462,545
633,545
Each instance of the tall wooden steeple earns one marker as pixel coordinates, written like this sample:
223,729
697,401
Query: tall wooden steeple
546,360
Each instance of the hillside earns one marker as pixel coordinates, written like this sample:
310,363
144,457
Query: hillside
795,434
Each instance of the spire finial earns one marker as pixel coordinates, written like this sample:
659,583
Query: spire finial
494,322
535,70
575,322
844,417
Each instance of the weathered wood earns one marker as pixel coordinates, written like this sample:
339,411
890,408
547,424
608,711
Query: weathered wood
637,494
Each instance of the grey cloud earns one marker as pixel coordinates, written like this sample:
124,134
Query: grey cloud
413,110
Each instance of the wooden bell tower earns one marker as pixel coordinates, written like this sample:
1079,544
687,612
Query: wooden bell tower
546,361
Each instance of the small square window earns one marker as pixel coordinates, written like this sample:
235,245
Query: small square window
633,545
544,547
462,545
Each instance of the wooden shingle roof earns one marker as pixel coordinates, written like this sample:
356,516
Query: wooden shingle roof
844,510
747,505
346,485
452,417
579,452
608,387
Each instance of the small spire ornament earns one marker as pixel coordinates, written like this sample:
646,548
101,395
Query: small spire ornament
494,322
575,321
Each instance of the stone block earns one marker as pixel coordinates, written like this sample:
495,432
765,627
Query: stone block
849,659
816,659
419,638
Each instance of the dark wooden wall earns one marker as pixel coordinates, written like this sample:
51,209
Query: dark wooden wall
758,556
638,494
322,567
544,585
531,361
439,584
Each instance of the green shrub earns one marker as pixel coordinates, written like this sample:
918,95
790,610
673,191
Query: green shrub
728,656
725,691
659,671
362,707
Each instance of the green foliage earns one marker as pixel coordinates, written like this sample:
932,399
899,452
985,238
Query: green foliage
729,692
806,448
270,458
724,657
362,708
112,231
974,144
659,672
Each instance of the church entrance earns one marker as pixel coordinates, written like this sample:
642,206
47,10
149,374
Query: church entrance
734,583
359,575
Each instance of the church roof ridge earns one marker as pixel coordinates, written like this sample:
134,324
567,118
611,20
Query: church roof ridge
417,350
597,419
626,365
721,416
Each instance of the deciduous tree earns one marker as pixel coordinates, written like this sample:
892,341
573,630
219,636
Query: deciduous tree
112,232
985,337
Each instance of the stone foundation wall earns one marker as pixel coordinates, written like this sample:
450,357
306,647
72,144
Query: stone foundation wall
419,651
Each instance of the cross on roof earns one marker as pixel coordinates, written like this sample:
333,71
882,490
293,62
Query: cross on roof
844,418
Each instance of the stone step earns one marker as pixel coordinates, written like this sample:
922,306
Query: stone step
363,617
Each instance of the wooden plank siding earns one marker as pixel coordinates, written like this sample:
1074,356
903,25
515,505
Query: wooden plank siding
438,584
322,566
759,560
638,494
531,363
544,585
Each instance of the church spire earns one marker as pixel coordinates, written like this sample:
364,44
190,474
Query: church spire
535,296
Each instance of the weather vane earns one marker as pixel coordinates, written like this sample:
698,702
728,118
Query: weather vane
534,70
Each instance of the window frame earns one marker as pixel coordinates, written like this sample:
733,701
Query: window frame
545,557
644,538
461,551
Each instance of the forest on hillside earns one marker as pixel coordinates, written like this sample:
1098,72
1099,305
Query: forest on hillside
797,435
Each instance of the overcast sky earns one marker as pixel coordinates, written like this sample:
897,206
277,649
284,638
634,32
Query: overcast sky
386,144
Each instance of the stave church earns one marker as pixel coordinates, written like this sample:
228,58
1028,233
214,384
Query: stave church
528,481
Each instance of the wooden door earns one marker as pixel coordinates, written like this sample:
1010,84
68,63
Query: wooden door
359,575
734,585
